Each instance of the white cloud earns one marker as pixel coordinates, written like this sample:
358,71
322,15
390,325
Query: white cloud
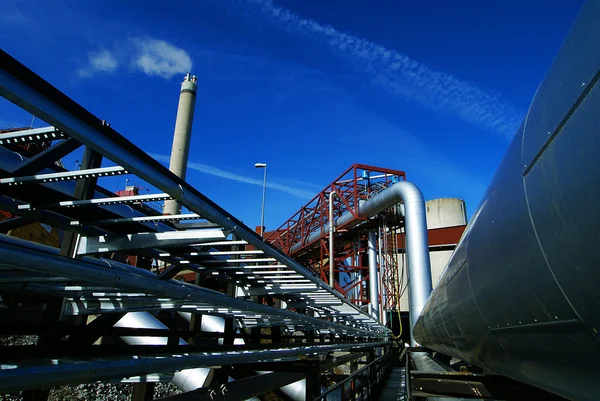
217,172
153,57
396,73
159,58
100,61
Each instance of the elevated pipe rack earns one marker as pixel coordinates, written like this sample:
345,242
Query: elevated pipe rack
74,286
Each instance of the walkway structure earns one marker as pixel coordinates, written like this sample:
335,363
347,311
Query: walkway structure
73,296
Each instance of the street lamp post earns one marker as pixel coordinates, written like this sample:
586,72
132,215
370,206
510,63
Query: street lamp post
262,214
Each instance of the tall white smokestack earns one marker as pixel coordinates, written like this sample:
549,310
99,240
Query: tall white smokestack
182,135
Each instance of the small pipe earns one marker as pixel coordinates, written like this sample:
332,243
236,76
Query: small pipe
382,287
331,233
373,277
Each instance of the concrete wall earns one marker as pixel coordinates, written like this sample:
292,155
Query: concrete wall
439,259
444,212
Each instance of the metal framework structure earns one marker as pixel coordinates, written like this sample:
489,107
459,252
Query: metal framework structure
358,183
305,236
73,295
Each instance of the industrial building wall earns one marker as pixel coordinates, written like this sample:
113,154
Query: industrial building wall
441,213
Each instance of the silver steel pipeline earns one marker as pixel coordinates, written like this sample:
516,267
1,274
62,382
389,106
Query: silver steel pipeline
187,379
423,362
417,245
296,391
373,276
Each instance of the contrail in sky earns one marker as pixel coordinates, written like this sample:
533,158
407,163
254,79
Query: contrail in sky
396,73
217,172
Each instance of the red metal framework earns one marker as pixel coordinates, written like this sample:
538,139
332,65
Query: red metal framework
356,184
305,236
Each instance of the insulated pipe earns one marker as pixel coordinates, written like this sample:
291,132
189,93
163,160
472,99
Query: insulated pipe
182,135
331,233
423,362
373,277
187,379
210,323
417,246
382,287
96,271
296,391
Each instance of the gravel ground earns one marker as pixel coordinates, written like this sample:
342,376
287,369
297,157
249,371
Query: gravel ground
97,392
18,340
105,391
85,392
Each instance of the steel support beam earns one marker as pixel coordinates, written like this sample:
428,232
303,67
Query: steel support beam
83,371
127,277
98,201
475,386
111,243
31,135
45,158
143,392
84,189
62,176
242,389
140,219
12,224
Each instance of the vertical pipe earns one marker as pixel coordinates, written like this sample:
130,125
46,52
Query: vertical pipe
373,278
182,135
382,286
417,252
331,231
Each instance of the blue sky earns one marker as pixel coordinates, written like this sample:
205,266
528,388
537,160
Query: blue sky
434,88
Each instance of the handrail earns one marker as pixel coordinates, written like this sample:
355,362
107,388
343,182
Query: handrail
384,362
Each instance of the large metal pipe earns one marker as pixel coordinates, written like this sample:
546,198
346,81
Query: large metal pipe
107,273
373,276
182,136
187,379
519,296
296,391
417,243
